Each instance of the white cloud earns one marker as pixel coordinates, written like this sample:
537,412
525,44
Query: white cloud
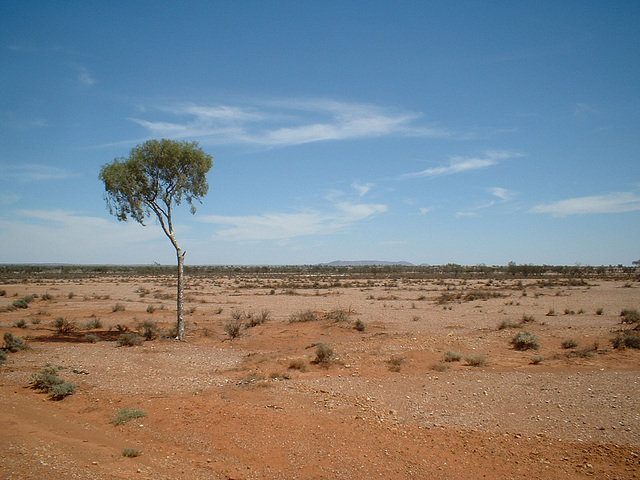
460,164
62,236
502,193
425,210
32,172
284,226
615,202
362,189
286,122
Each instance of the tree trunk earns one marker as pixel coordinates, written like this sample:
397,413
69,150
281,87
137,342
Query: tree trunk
180,296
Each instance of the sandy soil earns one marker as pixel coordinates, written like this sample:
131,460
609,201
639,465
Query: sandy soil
385,406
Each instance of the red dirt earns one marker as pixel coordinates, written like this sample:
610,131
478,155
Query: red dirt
218,408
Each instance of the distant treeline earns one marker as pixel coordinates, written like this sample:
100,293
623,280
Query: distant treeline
511,270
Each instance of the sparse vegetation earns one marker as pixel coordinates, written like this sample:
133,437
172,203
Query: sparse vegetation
92,338
525,341
303,316
537,359
125,415
324,354
395,363
298,364
93,324
13,344
440,367
47,380
118,307
626,340
131,453
630,315
508,324
452,356
570,343
477,360
148,330
233,328
129,339
64,326
359,325
20,323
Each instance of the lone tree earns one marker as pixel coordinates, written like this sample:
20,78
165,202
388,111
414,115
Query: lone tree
157,175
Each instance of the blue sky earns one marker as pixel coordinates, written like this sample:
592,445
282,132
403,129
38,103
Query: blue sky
429,132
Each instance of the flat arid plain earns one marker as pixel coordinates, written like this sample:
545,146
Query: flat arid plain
322,376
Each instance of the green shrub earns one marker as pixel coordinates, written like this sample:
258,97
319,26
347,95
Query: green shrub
129,339
477,359
508,324
46,296
93,324
324,354
20,323
525,341
395,363
64,326
233,328
298,364
359,325
92,338
630,315
131,453
125,415
305,316
537,359
118,307
13,344
440,367
451,356
20,303
149,330
3,356
47,380
626,340
570,343
3,293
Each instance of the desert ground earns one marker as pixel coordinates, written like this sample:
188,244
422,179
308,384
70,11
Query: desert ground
328,377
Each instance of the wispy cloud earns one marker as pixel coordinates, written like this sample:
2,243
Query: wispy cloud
615,202
85,77
363,189
458,164
502,193
284,122
284,226
32,172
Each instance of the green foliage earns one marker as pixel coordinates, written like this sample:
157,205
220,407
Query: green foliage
303,316
129,339
131,453
3,356
93,324
47,380
569,343
630,315
149,330
125,415
451,356
64,326
118,307
20,323
477,360
92,338
156,175
525,341
324,354
626,340
359,325
13,344
537,359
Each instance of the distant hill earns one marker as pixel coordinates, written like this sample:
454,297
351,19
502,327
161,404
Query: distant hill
362,263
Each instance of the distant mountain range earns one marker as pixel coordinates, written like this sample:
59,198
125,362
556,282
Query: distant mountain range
362,263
